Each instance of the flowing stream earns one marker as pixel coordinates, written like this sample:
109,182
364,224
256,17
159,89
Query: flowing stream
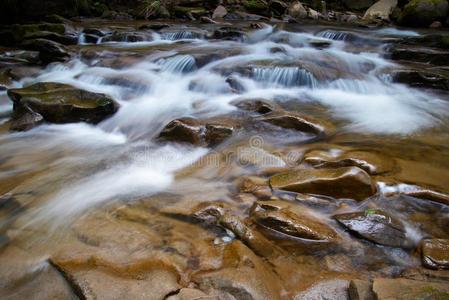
62,173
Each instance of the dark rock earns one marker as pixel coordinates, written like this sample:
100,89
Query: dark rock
235,84
91,39
375,226
155,27
49,51
430,40
66,39
358,4
423,55
400,288
197,132
278,7
422,79
57,19
94,31
424,12
256,6
228,33
435,253
436,24
25,119
14,34
348,182
283,218
62,103
130,37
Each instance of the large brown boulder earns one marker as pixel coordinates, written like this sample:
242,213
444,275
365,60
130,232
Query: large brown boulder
347,182
62,103
424,12
400,288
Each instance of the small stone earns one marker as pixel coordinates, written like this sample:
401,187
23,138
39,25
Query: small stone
219,12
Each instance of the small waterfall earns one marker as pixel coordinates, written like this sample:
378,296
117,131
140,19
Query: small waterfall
178,64
352,85
82,39
180,35
334,35
284,76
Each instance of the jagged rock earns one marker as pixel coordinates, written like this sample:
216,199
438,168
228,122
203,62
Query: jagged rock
360,290
373,163
376,226
399,288
197,132
424,12
25,119
49,51
422,79
435,253
285,219
62,103
297,11
347,182
219,12
381,10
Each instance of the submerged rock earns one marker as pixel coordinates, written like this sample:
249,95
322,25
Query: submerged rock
279,217
347,182
61,103
435,253
376,226
400,288
197,132
423,12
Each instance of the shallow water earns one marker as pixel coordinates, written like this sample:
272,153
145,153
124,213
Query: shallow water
61,174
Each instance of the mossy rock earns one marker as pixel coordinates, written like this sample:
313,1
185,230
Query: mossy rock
62,103
424,12
16,33
256,6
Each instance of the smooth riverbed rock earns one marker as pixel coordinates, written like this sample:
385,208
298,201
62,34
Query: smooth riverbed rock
424,12
298,122
404,289
435,253
376,226
197,132
371,162
347,182
62,103
297,11
335,289
280,217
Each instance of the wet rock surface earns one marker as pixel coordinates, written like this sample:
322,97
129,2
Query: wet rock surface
435,254
346,182
375,226
59,103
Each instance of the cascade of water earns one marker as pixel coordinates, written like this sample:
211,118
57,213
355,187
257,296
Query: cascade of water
333,35
285,76
180,35
178,64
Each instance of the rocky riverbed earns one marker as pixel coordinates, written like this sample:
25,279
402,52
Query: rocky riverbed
165,160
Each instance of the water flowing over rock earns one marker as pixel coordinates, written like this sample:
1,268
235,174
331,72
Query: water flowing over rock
347,182
376,226
61,103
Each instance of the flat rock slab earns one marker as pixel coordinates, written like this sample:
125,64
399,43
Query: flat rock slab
375,226
405,289
435,253
347,182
